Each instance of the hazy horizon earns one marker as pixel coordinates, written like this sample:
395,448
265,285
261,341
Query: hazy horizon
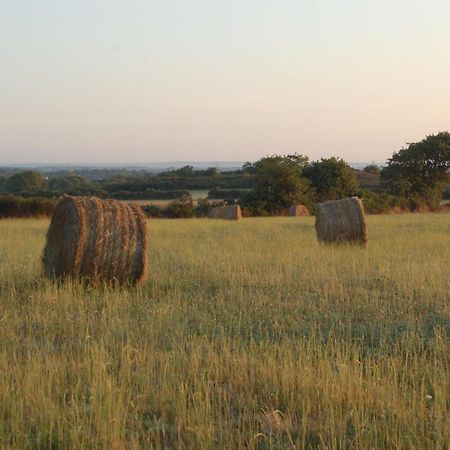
149,164
109,82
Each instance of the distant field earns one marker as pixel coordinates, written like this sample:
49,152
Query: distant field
196,195
246,335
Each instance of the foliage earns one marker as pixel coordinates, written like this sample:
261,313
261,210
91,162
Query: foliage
13,206
278,184
153,211
372,168
28,181
421,171
382,202
179,208
331,179
71,184
204,206
249,168
189,171
153,194
446,193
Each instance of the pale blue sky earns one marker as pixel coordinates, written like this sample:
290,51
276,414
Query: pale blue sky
144,81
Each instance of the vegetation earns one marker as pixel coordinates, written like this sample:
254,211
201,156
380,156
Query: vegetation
28,182
331,179
236,341
421,172
12,206
278,184
372,168
416,178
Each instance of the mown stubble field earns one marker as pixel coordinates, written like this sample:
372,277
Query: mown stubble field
247,335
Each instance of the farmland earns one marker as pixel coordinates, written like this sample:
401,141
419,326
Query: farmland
246,335
196,195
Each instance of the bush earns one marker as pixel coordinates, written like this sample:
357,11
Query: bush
153,194
13,206
381,202
180,208
446,194
204,207
153,211
372,168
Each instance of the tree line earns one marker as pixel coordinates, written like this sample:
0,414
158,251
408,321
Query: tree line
414,178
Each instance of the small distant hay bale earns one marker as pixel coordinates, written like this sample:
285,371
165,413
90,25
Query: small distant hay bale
341,221
298,211
229,212
97,241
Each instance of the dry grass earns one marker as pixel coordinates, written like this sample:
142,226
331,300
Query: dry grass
244,337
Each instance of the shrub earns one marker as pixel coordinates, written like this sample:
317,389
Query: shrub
13,206
182,207
153,211
382,202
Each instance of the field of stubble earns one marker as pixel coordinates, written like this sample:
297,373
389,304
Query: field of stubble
246,335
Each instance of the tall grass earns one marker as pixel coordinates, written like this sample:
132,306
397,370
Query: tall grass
247,335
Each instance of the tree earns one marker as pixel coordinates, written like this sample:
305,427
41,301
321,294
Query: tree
210,172
248,168
185,171
182,207
3,181
421,171
28,181
331,179
69,184
372,168
278,184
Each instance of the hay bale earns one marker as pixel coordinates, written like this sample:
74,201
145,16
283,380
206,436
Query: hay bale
341,221
229,212
96,240
298,211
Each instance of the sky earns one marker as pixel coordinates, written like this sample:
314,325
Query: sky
107,81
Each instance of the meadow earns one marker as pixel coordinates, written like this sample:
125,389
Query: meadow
246,335
195,194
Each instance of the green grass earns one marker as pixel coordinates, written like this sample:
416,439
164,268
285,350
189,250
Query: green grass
247,335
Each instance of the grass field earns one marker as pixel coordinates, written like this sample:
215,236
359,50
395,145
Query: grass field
247,335
196,195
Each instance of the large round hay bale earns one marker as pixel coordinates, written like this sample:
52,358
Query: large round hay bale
341,221
96,240
298,211
229,212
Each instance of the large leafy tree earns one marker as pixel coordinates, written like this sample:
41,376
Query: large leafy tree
331,179
28,181
421,171
278,184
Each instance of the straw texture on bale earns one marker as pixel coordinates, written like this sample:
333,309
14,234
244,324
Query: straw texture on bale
96,240
229,212
341,221
298,211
